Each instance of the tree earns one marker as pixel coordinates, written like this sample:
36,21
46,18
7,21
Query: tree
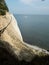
3,7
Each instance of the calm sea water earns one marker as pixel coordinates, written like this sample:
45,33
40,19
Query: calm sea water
34,29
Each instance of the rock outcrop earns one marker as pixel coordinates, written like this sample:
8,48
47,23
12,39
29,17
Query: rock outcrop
13,50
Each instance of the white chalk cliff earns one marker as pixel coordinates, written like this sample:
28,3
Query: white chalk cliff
13,36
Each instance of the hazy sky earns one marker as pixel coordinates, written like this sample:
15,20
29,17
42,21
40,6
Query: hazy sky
28,6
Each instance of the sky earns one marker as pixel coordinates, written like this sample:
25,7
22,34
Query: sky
28,6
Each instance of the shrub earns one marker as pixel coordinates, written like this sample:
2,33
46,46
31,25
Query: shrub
2,12
3,7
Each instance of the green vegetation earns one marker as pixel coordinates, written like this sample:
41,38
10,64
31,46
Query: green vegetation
2,12
3,7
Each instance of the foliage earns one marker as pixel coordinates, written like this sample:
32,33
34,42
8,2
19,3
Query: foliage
3,7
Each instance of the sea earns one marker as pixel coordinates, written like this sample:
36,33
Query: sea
34,29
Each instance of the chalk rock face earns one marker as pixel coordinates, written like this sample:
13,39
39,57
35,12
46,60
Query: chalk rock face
11,39
12,30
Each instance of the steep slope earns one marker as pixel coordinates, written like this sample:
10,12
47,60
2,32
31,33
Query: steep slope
11,42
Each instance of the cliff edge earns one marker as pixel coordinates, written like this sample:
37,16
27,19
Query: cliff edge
13,50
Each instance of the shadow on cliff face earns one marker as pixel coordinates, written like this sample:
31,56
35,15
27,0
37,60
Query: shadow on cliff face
6,58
